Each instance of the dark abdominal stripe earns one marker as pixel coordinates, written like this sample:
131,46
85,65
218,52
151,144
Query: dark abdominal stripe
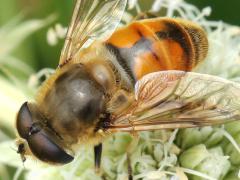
121,60
174,33
126,56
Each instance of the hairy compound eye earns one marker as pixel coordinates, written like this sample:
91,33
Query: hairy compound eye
24,121
45,149
40,141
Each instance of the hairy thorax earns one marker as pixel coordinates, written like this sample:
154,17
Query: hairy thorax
80,93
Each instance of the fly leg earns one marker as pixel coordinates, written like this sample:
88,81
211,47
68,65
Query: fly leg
97,157
130,150
130,176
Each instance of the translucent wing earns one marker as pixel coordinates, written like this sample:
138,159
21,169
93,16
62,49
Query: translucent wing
177,99
92,20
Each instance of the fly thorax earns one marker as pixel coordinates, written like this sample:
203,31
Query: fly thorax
75,103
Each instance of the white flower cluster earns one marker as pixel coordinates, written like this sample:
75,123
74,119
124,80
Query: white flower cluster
56,33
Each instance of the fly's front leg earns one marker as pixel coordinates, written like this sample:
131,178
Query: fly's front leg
97,157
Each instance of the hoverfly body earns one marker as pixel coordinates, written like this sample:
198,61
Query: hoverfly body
133,78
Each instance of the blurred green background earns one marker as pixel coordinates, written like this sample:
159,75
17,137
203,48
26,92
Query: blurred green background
39,54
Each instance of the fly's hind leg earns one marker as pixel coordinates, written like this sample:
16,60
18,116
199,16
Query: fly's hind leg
130,150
